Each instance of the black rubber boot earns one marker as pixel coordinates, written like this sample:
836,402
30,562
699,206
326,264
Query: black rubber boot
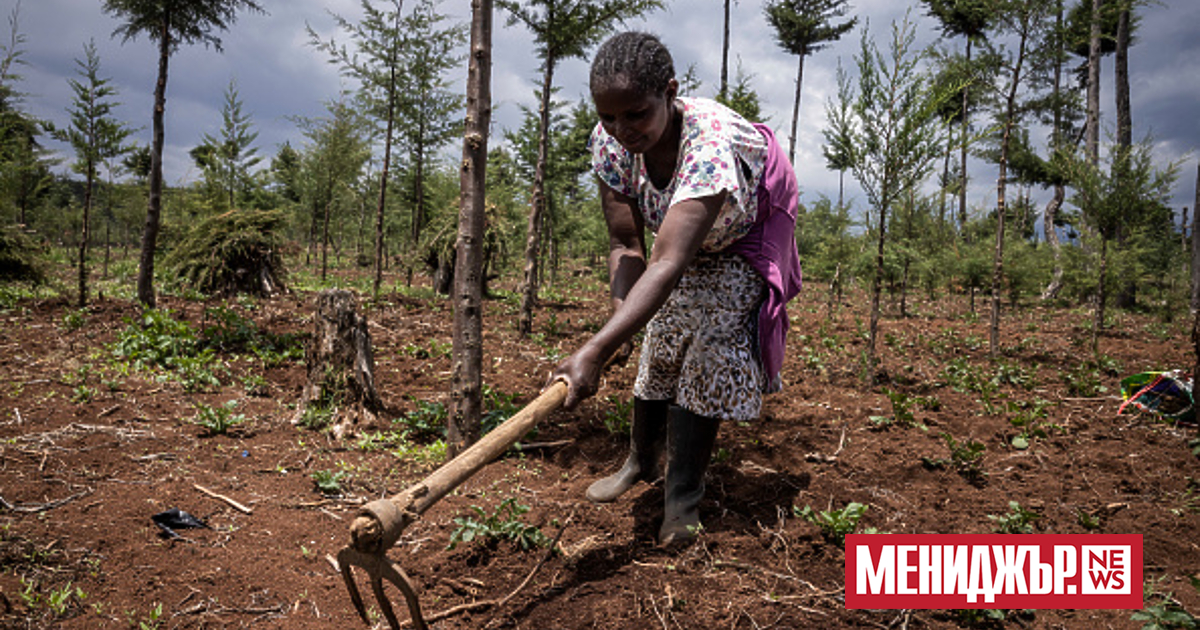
646,437
690,440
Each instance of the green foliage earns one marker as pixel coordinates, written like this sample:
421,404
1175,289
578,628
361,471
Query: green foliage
618,415
152,620
834,524
427,421
218,420
21,259
329,482
966,458
1018,520
498,406
1028,417
503,523
1167,614
226,330
902,413
231,253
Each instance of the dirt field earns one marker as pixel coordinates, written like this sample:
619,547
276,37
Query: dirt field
91,448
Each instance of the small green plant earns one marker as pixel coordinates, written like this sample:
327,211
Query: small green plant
1028,418
329,482
618,417
1018,520
82,394
834,524
1167,614
499,407
427,421
1088,521
218,420
902,413
966,458
74,320
152,621
1084,380
503,523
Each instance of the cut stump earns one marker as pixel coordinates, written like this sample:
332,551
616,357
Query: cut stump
340,389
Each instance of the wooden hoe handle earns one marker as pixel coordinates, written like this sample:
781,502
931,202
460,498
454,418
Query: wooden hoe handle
380,523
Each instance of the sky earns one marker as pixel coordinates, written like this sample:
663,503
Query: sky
280,76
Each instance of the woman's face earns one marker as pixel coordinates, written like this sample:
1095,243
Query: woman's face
637,120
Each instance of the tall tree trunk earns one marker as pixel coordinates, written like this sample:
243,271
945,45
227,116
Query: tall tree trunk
1195,302
1010,116
1050,214
796,106
85,234
529,290
1093,88
387,162
1101,297
724,89
466,375
876,293
962,174
1127,291
145,280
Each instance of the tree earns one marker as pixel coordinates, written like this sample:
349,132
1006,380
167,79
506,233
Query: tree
887,124
96,137
466,376
379,40
1110,198
429,110
1025,20
969,19
743,99
562,29
24,165
332,161
802,27
169,23
227,160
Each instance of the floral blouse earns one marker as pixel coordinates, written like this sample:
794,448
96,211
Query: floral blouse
719,151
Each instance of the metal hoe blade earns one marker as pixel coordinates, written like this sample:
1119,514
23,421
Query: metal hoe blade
378,568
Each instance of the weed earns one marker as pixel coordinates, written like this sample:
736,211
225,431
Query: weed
980,617
504,523
329,482
1013,374
1017,521
499,407
1084,381
218,420
74,320
902,414
618,419
82,394
427,421
1167,614
1028,417
1088,521
966,458
151,622
834,524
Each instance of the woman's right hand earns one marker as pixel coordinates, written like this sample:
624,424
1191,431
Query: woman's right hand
581,373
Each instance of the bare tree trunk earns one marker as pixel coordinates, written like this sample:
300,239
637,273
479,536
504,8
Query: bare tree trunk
86,234
796,107
1127,291
466,375
1093,89
724,89
529,291
145,279
1049,218
876,291
387,162
1001,187
962,175
1195,302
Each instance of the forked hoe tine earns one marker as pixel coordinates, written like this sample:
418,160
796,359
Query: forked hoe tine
379,568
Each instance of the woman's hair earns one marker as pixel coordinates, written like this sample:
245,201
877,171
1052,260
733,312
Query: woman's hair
640,58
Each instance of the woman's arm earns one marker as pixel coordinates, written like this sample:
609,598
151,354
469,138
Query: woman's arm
679,238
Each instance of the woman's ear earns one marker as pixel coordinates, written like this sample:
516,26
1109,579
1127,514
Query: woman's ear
672,90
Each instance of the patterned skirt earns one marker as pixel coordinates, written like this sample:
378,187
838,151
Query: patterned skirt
701,349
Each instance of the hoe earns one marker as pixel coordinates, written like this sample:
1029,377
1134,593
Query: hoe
380,523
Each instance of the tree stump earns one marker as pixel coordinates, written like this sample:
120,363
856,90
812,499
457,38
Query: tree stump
340,390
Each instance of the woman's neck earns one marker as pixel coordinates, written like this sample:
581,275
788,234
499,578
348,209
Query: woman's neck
660,160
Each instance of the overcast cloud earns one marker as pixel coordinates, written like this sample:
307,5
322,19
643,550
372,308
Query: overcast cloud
279,76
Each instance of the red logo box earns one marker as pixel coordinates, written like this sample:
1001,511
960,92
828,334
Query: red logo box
1008,571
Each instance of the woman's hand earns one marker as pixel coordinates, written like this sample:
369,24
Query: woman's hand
581,373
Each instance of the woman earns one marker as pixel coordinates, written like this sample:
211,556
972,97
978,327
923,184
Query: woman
720,196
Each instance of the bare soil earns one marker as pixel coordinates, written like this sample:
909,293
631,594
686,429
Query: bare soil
88,455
